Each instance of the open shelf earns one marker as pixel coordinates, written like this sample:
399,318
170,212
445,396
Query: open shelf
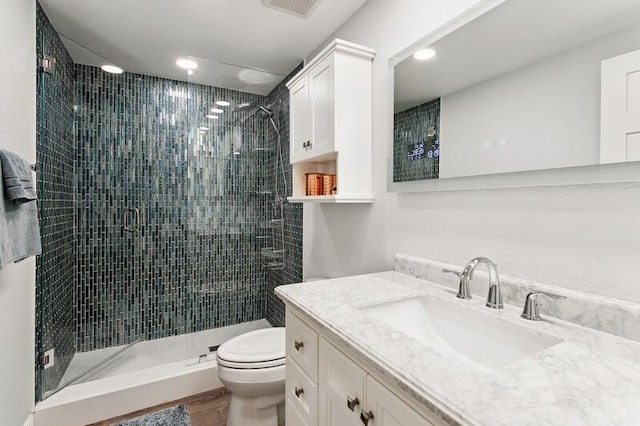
329,199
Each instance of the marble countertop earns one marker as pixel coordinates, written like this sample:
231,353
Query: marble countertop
589,378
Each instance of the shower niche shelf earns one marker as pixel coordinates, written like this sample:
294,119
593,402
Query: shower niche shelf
274,255
330,116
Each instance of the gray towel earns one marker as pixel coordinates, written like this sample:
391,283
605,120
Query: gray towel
19,230
16,178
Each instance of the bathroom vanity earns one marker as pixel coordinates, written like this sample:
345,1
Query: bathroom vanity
390,348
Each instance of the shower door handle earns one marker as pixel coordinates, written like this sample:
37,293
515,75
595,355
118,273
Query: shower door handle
137,225
125,220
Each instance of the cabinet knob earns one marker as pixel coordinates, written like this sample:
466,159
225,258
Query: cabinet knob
298,391
298,345
352,403
366,416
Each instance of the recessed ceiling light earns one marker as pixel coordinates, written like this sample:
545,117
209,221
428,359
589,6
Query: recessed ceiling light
112,69
222,103
190,72
252,76
217,110
204,129
424,54
212,117
187,64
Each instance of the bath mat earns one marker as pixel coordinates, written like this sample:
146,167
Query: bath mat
174,416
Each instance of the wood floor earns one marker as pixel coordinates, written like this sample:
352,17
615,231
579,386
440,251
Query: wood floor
206,409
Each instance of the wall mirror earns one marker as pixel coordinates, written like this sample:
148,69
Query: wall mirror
528,92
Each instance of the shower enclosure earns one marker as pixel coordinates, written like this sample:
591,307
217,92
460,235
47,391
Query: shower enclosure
164,218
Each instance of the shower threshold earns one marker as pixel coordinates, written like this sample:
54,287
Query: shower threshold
148,373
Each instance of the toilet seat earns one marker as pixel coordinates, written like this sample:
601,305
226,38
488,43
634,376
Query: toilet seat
251,365
254,350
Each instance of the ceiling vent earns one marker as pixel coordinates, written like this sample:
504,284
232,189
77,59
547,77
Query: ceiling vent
301,8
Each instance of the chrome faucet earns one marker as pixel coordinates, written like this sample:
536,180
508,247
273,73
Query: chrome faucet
494,298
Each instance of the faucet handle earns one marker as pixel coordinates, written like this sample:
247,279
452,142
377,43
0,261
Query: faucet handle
463,285
450,271
530,311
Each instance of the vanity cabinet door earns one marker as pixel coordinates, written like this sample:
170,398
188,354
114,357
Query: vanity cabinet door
387,409
341,388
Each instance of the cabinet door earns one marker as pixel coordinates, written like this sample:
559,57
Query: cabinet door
299,119
388,409
322,98
341,380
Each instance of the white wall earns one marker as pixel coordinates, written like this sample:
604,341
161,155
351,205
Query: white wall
581,237
547,114
17,281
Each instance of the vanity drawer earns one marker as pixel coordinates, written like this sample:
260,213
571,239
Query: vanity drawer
301,396
302,345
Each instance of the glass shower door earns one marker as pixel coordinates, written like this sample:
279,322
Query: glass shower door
228,199
55,268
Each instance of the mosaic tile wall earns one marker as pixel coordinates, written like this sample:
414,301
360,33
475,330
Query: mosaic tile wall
55,270
193,263
292,272
416,145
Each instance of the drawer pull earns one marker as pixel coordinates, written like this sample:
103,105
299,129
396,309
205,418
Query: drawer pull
298,391
298,345
366,416
352,403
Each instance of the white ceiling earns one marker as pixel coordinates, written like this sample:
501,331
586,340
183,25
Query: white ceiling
512,35
239,44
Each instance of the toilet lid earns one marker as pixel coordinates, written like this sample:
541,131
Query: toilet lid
266,346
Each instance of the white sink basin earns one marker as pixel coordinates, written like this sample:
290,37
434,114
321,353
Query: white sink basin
485,340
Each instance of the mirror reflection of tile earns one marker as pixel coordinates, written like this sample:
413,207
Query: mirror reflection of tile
416,142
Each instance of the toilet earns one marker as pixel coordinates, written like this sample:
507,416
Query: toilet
252,367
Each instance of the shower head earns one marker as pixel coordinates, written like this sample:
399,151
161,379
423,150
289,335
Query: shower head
244,106
247,106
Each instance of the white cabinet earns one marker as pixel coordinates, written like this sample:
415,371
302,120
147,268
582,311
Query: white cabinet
312,110
301,387
302,345
344,394
330,122
341,388
386,409
301,399
300,126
